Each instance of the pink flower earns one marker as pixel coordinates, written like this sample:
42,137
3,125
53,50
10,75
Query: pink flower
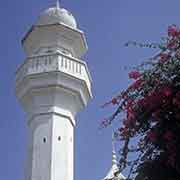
168,135
124,95
178,94
173,31
154,99
131,115
129,104
176,100
143,102
177,55
167,92
130,120
114,101
127,123
124,132
137,84
134,74
172,44
157,81
151,93
163,57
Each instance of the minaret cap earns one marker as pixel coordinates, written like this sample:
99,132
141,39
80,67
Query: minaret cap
56,15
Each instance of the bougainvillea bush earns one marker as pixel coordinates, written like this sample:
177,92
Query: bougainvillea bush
151,111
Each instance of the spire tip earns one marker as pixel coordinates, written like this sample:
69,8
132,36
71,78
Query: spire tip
57,4
114,161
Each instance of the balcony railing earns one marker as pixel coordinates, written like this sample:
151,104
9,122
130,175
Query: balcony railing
54,62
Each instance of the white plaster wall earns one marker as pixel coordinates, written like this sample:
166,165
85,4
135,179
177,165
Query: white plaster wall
43,38
52,159
39,161
62,150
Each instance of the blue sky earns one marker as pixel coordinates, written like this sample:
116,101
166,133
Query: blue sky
108,25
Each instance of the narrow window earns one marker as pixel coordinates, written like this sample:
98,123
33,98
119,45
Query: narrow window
44,140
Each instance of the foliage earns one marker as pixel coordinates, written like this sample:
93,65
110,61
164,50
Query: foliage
151,109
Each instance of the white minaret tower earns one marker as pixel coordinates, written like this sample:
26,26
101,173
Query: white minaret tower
53,84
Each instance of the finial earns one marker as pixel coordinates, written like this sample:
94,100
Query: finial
114,161
57,4
113,145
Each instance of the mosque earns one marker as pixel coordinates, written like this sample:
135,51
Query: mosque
52,85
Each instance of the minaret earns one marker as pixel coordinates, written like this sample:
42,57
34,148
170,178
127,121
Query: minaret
114,172
53,84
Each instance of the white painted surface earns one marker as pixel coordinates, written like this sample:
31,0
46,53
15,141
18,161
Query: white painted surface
62,151
51,148
52,85
54,37
54,62
57,15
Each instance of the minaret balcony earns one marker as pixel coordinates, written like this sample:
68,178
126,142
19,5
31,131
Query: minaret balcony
50,71
54,62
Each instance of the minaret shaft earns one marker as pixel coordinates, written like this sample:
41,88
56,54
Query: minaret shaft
51,148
